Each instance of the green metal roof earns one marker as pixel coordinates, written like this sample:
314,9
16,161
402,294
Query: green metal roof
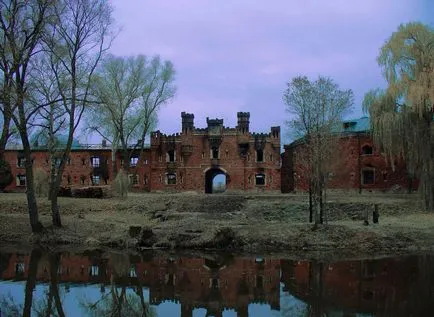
40,142
356,125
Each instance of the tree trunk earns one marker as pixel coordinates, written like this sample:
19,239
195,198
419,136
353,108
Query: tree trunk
55,214
4,135
30,193
310,203
321,207
409,185
114,167
54,287
31,282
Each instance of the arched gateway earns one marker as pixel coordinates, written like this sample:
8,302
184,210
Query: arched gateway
209,177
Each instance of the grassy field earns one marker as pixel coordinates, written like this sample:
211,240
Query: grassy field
239,223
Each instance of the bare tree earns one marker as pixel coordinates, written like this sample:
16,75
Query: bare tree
75,44
402,115
318,107
130,92
22,23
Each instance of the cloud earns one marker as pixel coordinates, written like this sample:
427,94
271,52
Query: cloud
237,55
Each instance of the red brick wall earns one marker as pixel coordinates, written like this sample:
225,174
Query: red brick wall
347,172
189,168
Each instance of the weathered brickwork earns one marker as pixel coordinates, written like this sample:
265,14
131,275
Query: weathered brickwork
359,166
184,161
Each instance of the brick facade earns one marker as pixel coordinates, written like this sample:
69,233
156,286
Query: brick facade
184,161
359,166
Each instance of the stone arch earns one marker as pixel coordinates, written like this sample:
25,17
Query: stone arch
210,173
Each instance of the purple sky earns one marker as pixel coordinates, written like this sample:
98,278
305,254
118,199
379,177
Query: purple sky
237,55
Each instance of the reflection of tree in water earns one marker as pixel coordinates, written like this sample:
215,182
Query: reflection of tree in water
421,301
12,309
51,305
384,288
118,301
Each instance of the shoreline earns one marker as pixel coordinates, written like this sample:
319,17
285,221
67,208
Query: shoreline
239,224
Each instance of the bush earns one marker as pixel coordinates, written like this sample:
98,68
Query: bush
42,183
121,183
6,176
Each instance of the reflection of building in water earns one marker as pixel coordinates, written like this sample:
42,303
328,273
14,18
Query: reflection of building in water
214,283
386,287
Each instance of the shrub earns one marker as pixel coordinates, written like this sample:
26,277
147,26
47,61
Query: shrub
42,182
6,176
121,183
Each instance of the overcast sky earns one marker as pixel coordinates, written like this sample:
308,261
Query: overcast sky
237,55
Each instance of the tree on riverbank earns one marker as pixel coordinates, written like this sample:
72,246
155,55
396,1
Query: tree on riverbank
22,24
130,92
402,115
318,108
74,43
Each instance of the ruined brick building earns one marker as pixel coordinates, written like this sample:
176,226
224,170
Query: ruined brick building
359,165
183,161
191,159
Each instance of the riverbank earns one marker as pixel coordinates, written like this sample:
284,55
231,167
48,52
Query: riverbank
236,223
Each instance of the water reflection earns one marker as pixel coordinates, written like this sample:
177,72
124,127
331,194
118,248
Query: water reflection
116,284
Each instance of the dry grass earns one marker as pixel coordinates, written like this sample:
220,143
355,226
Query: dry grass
260,222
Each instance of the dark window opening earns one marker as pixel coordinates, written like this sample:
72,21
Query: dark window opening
94,270
367,150
96,180
83,161
57,162
69,179
21,162
215,153
95,161
170,279
259,281
171,179
214,283
68,161
82,179
19,269
21,180
134,179
133,161
133,272
384,176
260,179
368,176
171,156
259,155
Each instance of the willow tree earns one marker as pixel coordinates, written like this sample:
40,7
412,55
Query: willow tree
402,115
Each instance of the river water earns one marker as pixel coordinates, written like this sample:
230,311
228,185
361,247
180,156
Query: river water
116,284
